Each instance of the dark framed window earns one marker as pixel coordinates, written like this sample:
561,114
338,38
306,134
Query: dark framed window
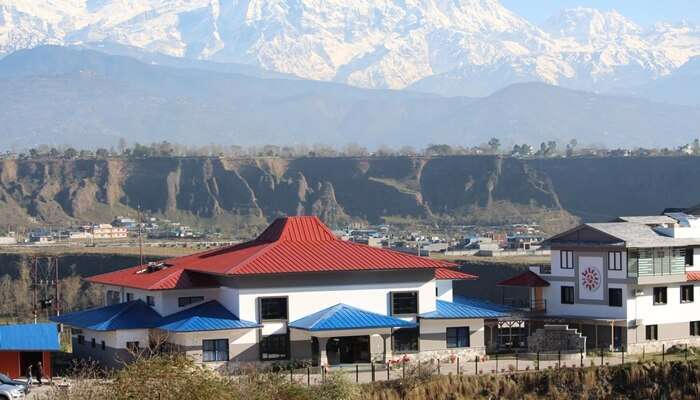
615,260
113,297
660,296
615,297
566,259
687,293
403,303
81,339
652,332
689,252
103,345
694,328
186,301
273,308
567,295
405,340
129,297
215,350
151,301
93,343
132,346
457,337
274,347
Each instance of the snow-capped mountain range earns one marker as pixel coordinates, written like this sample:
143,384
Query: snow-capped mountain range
464,47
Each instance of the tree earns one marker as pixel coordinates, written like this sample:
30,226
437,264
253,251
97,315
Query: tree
439,150
122,145
70,153
102,153
494,144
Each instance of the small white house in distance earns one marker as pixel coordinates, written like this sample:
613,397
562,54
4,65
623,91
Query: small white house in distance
630,282
296,293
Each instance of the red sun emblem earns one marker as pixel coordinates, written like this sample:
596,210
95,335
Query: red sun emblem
590,278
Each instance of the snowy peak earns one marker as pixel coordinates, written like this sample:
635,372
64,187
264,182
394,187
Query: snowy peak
475,45
589,25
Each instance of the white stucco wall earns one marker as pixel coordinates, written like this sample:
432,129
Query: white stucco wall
304,301
116,339
642,307
444,290
552,294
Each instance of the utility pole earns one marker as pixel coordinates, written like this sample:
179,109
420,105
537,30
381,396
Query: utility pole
46,292
140,220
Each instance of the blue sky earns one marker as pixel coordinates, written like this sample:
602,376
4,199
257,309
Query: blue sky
644,12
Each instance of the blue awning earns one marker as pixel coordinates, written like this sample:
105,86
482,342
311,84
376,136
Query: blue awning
342,317
29,337
466,308
130,315
210,316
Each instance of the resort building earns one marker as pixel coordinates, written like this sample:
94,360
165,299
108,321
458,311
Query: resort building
630,282
295,293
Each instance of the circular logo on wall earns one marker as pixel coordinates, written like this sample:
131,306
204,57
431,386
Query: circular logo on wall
590,278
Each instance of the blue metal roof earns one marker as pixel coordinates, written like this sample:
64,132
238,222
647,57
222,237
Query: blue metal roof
29,337
210,316
130,315
466,308
342,317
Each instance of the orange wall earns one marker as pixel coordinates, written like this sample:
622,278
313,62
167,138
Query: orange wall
9,363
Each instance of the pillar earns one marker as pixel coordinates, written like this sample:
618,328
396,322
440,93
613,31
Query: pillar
388,354
323,356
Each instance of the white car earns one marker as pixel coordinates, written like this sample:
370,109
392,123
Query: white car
11,392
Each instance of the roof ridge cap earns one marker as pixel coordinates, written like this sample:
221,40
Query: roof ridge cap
326,313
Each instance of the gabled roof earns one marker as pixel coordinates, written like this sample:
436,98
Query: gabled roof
462,307
343,317
623,233
130,315
210,316
29,337
289,245
647,219
526,279
448,274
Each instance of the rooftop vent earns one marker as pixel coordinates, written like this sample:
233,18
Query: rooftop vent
152,267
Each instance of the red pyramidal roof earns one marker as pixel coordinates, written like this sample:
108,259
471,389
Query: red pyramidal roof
288,245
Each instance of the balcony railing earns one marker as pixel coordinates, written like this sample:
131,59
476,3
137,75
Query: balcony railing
533,306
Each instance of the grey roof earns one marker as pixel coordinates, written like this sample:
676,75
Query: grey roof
648,219
640,235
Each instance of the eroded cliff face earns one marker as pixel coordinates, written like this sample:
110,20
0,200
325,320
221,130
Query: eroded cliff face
231,192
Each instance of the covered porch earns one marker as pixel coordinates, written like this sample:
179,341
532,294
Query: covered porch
344,334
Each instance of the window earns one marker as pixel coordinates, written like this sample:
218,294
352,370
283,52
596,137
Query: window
660,295
92,343
129,297
132,346
103,345
566,259
273,308
403,303
689,256
274,347
186,301
215,350
150,301
457,337
405,340
81,339
694,328
652,332
615,297
687,293
615,261
567,295
112,297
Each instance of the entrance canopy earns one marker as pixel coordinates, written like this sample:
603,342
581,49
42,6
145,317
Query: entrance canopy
344,317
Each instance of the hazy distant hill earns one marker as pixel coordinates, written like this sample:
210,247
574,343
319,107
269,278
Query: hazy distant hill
681,87
86,98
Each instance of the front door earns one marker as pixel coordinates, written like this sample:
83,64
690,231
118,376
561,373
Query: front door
354,349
